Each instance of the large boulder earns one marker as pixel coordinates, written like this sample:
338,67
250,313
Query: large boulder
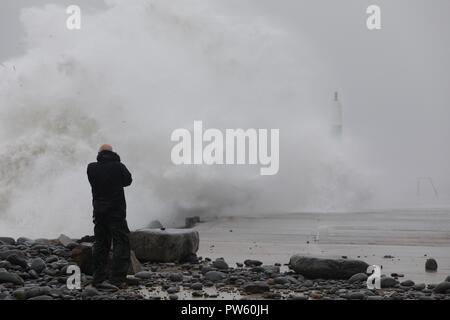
5,254
431,265
443,287
316,268
66,241
6,277
169,245
82,255
388,282
8,241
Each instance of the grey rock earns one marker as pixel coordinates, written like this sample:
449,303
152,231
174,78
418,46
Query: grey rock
266,269
89,292
316,268
308,283
173,297
359,277
271,269
33,274
356,296
272,295
176,277
143,275
18,260
256,287
252,263
42,243
397,275
42,298
197,286
214,276
8,240
257,269
447,279
419,286
377,298
172,290
443,287
37,291
169,245
5,254
25,241
388,282
67,242
281,280
7,277
205,269
19,294
407,283
298,297
38,265
51,259
296,280
105,285
220,264
431,265
197,294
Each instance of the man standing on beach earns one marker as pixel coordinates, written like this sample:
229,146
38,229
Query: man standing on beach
108,176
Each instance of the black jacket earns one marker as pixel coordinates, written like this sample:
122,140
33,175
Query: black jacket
108,176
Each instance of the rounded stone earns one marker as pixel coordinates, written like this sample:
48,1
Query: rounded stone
318,268
214,276
443,287
143,275
256,287
388,282
431,265
38,265
172,290
176,277
220,264
359,277
407,283
197,286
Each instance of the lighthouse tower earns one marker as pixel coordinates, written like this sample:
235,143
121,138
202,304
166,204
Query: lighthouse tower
336,117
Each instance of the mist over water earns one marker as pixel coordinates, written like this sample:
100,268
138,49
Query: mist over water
141,69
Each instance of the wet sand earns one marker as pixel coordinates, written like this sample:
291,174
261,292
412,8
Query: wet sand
410,236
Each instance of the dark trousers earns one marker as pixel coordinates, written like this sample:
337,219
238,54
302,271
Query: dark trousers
109,231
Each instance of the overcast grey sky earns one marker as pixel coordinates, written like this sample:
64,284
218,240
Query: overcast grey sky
394,83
